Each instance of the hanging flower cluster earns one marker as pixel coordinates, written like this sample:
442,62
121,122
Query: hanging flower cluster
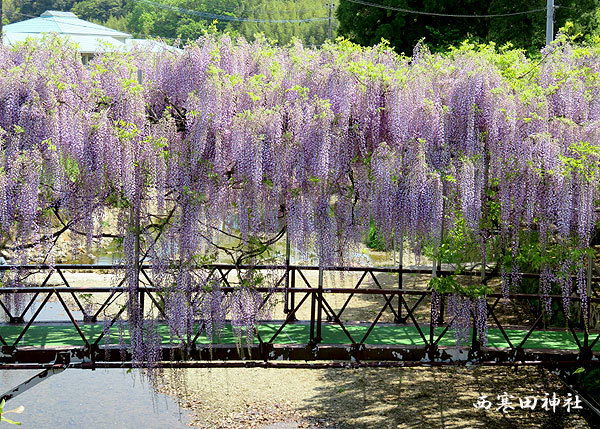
250,140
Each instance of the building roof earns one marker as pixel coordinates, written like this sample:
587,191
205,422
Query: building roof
90,38
62,23
149,45
85,44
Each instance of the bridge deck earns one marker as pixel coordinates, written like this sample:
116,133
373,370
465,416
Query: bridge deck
62,334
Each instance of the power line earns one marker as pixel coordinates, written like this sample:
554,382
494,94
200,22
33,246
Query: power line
212,16
228,18
94,26
445,15
212,4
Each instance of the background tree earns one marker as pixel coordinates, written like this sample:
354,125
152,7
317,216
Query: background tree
9,9
311,33
148,20
37,7
145,20
528,31
367,25
100,10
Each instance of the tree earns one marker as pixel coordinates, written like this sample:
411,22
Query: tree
37,7
367,24
190,30
150,20
310,32
117,23
10,11
528,31
99,10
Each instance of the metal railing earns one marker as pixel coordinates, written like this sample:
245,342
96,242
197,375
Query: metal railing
300,294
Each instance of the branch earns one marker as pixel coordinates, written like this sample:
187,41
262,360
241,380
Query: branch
103,235
160,231
263,248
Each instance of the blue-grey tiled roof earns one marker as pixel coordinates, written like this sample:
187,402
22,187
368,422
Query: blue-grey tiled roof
62,23
85,44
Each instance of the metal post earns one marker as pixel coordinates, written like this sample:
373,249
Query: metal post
135,297
589,276
329,29
483,264
549,21
286,308
312,317
486,203
400,285
141,296
134,214
439,260
320,305
484,199
433,275
1,18
293,295
586,321
475,345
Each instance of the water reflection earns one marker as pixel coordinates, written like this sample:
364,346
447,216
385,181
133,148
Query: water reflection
91,399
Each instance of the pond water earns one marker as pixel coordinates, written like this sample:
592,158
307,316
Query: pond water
78,398
99,399
112,254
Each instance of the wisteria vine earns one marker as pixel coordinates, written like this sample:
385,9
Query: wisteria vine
251,141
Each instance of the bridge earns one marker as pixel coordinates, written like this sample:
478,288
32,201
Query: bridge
366,316
312,326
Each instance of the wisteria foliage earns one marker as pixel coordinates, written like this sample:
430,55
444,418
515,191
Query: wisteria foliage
251,139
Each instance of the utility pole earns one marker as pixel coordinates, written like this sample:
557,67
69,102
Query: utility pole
549,21
2,17
331,6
